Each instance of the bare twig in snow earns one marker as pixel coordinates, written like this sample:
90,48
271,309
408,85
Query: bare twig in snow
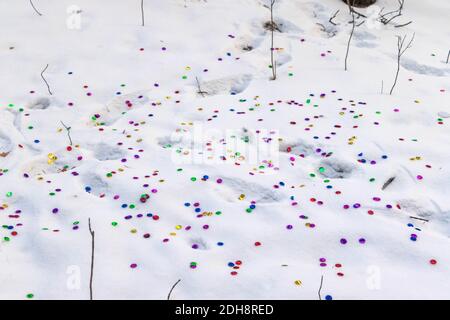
421,219
350,39
42,76
448,56
31,2
272,62
68,132
142,12
332,17
352,10
200,88
401,49
387,183
320,288
403,24
92,258
173,287
388,17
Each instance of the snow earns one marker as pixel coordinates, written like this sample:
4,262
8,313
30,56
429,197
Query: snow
298,149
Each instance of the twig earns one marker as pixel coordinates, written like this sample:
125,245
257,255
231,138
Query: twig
403,25
42,76
352,10
31,2
200,88
173,287
421,219
334,16
68,132
320,288
142,12
385,19
350,39
387,183
272,62
330,33
92,258
401,49
448,56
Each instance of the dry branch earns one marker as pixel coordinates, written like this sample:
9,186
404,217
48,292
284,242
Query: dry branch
199,88
272,62
401,49
42,76
142,12
332,17
36,10
320,288
173,287
387,183
68,132
92,258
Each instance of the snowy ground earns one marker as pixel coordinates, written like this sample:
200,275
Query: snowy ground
329,140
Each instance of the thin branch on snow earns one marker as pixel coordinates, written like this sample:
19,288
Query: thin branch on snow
92,258
68,132
272,62
401,49
320,288
388,17
421,219
31,2
350,39
448,56
403,25
332,17
199,88
142,12
42,76
173,287
387,183
352,10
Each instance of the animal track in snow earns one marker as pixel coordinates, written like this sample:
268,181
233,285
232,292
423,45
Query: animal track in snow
415,67
40,103
232,85
336,169
105,152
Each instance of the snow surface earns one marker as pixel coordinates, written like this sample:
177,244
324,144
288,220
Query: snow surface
322,120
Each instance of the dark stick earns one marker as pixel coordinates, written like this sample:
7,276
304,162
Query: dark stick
334,16
419,219
387,183
396,13
142,12
200,88
68,131
42,76
448,56
272,62
173,287
403,25
401,49
92,258
31,2
320,288
350,39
